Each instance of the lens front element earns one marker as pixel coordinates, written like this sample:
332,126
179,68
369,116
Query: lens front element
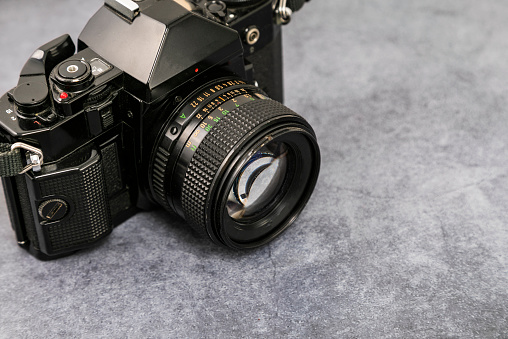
259,182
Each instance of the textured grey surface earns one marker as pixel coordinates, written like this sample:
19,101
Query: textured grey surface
405,236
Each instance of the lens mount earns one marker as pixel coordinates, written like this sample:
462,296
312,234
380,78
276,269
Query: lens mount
241,167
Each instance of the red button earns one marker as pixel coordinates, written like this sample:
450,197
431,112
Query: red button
64,95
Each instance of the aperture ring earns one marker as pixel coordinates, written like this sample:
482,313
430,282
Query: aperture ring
201,101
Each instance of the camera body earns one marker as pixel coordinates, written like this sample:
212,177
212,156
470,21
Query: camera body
97,127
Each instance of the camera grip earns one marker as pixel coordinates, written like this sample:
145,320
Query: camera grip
69,207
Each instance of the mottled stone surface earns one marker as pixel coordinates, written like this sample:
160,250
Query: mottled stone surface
406,235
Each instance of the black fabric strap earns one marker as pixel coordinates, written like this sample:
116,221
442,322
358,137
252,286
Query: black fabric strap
11,162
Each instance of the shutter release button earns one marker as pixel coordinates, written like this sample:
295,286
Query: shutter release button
73,69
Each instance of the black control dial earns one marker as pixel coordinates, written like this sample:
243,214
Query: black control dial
73,75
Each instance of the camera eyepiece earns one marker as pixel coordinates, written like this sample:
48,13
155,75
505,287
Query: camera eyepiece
241,169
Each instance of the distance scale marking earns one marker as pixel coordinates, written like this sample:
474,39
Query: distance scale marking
210,91
218,109
188,111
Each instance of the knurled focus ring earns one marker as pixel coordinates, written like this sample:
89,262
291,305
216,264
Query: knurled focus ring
213,151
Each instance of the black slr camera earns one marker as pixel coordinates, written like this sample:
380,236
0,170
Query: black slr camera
166,103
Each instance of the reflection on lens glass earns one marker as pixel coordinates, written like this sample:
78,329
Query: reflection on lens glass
259,182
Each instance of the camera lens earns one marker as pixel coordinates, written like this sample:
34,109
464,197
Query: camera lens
240,168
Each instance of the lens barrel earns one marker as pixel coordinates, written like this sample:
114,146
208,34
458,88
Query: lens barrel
236,165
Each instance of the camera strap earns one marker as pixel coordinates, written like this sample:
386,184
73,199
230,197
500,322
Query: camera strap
14,162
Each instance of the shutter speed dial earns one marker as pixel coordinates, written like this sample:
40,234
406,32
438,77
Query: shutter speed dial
73,75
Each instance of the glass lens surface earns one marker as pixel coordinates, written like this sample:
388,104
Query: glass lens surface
259,182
